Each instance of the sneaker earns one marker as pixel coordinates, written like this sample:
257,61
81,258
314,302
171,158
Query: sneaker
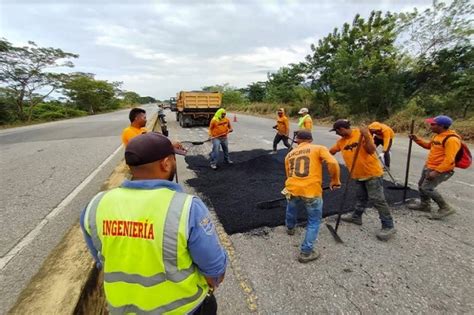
273,152
290,231
307,257
229,162
386,233
422,206
443,212
352,219
214,167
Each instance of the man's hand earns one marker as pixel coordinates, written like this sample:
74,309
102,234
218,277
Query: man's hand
413,137
365,131
334,186
274,127
432,175
214,282
178,146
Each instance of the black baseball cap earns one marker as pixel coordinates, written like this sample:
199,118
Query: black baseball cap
147,148
304,135
341,123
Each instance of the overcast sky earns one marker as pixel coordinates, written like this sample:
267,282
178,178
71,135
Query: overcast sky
158,48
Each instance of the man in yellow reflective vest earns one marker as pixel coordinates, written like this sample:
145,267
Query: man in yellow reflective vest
305,121
156,244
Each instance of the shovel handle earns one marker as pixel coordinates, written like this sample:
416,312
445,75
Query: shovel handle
412,126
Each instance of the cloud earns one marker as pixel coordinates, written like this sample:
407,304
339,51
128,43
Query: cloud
160,47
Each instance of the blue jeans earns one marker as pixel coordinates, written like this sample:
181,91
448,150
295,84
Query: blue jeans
314,208
216,143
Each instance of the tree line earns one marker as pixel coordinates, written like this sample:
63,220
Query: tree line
386,65
28,82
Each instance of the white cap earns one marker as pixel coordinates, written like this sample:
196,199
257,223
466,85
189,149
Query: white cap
304,110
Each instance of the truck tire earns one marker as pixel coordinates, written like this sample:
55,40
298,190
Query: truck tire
181,120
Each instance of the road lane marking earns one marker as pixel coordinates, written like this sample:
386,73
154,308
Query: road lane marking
25,241
467,184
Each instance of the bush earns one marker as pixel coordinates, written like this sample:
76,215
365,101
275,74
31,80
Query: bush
55,111
401,121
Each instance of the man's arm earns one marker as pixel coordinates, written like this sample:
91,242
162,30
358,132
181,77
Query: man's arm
287,126
386,139
422,143
368,140
88,240
211,127
334,149
203,243
333,167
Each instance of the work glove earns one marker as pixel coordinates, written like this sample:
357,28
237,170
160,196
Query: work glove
286,193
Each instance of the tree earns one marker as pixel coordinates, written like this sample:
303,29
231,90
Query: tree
131,98
256,91
440,27
359,66
24,77
89,94
281,85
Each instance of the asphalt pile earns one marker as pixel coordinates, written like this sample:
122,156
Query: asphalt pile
256,176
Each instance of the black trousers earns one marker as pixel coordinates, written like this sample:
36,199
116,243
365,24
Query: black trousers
207,307
278,138
386,156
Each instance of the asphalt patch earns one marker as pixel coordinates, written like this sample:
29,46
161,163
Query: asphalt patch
234,190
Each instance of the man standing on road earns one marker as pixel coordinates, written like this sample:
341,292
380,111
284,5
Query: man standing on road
283,130
137,118
304,173
367,174
439,166
383,135
305,121
156,244
219,128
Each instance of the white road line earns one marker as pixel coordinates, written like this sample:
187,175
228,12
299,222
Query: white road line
25,241
467,184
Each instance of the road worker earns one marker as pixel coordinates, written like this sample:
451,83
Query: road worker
157,245
305,121
439,166
367,175
383,135
219,128
303,166
137,118
283,130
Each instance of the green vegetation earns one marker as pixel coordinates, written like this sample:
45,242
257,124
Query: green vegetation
388,67
27,84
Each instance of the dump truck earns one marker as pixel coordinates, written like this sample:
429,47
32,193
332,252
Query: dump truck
197,107
173,107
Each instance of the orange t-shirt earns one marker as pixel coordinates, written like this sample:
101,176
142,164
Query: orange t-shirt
367,165
303,166
387,133
131,132
219,127
283,125
442,158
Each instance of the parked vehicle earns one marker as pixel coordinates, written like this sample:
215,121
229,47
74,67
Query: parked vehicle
173,107
197,107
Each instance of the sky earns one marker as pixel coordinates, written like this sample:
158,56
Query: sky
158,48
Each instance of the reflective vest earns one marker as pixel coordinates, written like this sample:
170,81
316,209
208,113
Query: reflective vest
305,122
141,236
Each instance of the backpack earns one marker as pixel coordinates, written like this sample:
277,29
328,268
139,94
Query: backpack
463,158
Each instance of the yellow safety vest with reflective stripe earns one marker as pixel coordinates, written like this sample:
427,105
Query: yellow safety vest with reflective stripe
305,122
141,236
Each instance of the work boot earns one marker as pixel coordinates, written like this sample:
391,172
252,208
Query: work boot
214,167
386,233
442,212
290,231
423,206
353,218
307,257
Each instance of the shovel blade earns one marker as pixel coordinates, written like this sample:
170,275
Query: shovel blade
334,234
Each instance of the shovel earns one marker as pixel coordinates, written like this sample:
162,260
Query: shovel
274,202
395,186
331,229
202,142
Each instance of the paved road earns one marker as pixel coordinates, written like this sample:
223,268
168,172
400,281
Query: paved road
427,268
48,173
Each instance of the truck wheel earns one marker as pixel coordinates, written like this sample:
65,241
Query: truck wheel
181,121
